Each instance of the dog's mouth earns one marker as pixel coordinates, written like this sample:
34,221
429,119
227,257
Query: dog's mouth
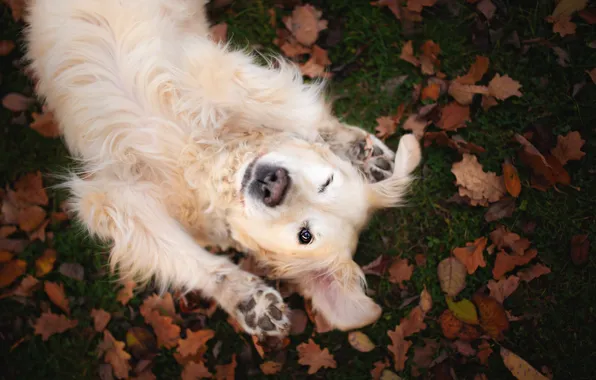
266,183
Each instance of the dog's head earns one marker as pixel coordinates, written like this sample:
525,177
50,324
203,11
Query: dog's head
302,210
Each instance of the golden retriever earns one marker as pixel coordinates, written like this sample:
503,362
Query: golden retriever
186,144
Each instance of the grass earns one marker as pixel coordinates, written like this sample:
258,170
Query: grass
562,333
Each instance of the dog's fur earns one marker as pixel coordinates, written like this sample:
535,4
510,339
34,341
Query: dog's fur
166,124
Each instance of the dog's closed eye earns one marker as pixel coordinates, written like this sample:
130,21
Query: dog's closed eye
327,183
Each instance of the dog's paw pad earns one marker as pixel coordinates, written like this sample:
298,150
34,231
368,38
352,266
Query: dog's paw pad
380,162
264,313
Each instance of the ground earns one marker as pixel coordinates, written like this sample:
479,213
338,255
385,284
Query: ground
364,44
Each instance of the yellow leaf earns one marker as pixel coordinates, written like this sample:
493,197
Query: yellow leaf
568,7
360,341
463,310
519,367
45,263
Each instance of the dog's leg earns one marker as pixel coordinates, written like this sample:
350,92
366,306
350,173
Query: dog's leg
365,151
147,243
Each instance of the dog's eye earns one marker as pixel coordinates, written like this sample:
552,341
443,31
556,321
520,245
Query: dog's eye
304,236
327,183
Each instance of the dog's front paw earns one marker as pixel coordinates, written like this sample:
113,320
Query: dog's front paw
263,313
377,161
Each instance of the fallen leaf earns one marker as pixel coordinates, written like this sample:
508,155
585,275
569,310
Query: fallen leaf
464,348
432,92
426,301
452,276
378,266
407,54
503,288
45,263
140,342
487,8
270,368
298,320
386,126
464,93
423,356
455,142
72,270
520,368
311,355
399,348
562,56
6,231
503,87
194,371
16,102
56,294
417,5
488,102
194,341
502,238
481,187
360,342
29,190
506,263
569,147
563,25
592,74
416,124
13,245
484,352
453,117
450,325
126,293
10,271
533,272
45,125
476,72
101,318
429,60
379,367
400,271
580,248
115,355
30,218
420,259
6,47
163,304
166,331
219,32
305,24
472,254
226,371
511,178
26,287
493,318
49,324
391,4
463,310
568,7
501,209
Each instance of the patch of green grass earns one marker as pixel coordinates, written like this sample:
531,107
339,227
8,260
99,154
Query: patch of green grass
560,332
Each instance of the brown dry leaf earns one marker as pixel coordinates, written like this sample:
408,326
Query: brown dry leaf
226,371
16,102
115,355
493,318
305,24
379,367
26,287
453,116
413,323
298,321
452,276
429,61
416,124
56,294
503,288
391,4
592,74
423,356
194,341
141,343
45,263
29,190
399,348
386,126
464,348
450,325
481,187
568,7
506,263
164,305
166,331
378,266
569,147
310,354
520,368
5,257
487,8
72,270
501,209
407,54
432,91
400,271
6,231
511,178
6,47
45,125
580,248
472,254
270,368
194,371
49,324
562,25
30,218
464,93
502,238
10,271
126,293
426,301
533,272
488,102
360,342
503,87
417,5
101,318
476,72
484,352
456,142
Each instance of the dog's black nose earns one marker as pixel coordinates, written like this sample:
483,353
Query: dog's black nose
270,184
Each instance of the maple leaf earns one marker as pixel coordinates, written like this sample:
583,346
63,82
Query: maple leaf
519,367
464,93
391,4
432,91
45,263
400,271
360,342
580,248
10,271
417,5
219,32
45,125
49,324
6,47
166,331
101,318
115,355
386,126
26,287
476,72
311,355
305,24
194,371
126,293
407,54
453,116
452,276
399,348
533,272
481,187
503,288
414,322
16,102
194,341
226,371
56,294
503,87
506,263
569,147
471,255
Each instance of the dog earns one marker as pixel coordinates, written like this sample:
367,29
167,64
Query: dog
186,144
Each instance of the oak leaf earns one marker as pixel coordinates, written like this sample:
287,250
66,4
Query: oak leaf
400,271
453,117
115,355
194,341
56,294
399,348
506,263
166,331
503,87
126,293
493,318
520,368
413,323
305,24
194,371
533,272
503,288
379,367
101,318
569,147
472,254
464,93
49,324
452,276
164,305
45,263
10,271
504,239
481,187
360,342
311,355
423,356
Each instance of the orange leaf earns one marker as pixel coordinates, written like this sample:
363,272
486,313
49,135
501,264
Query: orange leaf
115,355
49,324
101,318
512,183
194,341
385,127
476,72
166,331
453,117
407,54
311,355
505,263
464,93
472,254
417,5
26,287
562,25
502,238
11,271
30,218
416,124
450,325
193,371
493,318
484,352
432,91
270,368
45,263
57,295
399,348
400,271
164,305
377,371
29,189
226,371
45,125
125,294
503,87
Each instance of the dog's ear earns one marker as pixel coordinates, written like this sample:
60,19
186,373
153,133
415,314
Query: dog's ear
339,297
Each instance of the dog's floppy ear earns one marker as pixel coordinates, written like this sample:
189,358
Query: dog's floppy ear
339,297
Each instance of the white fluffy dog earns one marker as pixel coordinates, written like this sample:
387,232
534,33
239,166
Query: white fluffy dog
187,144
